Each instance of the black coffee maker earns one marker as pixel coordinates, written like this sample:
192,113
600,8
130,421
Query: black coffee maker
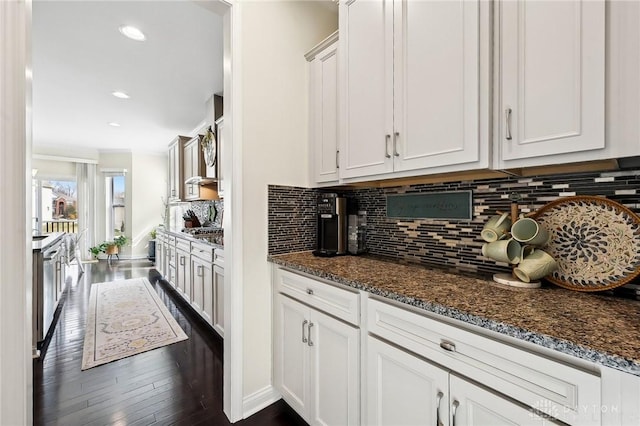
331,225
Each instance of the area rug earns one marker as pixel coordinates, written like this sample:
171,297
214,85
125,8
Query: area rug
126,318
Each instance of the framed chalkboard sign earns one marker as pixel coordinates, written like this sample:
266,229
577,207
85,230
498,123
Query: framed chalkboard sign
454,205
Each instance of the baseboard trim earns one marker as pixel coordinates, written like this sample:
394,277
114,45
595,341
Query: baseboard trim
255,402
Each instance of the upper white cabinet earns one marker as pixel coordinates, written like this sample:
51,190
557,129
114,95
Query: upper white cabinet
415,87
323,110
551,79
176,175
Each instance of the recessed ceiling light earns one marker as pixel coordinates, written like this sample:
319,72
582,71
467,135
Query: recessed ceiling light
114,124
120,95
132,32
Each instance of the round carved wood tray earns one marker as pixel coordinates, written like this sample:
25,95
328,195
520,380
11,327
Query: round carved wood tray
596,242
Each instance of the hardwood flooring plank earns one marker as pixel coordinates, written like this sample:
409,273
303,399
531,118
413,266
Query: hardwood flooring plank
176,384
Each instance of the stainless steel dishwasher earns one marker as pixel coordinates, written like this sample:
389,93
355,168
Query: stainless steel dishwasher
47,290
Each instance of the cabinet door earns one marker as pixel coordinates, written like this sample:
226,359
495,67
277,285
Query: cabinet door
184,275
158,262
218,298
172,265
366,110
197,297
436,83
218,169
291,353
325,114
335,368
208,301
474,405
552,71
188,170
403,389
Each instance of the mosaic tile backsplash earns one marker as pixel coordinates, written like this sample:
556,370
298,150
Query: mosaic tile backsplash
453,243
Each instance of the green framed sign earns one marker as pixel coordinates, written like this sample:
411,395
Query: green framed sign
454,205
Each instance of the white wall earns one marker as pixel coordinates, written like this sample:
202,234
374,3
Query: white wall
148,180
275,35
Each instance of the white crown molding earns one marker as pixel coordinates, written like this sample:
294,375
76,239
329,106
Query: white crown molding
310,55
60,158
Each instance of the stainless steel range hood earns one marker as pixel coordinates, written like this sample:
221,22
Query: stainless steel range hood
200,180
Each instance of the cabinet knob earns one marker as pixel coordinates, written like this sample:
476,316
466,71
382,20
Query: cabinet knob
454,409
396,136
507,119
309,330
448,346
387,138
310,292
439,397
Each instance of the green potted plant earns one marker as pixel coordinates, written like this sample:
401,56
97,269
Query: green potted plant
113,247
96,250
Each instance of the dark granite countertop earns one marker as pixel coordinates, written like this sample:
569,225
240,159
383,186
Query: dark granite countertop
600,328
39,245
200,238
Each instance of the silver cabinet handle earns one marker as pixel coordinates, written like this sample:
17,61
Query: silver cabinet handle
448,346
396,135
387,138
310,342
310,292
182,260
337,162
454,408
438,400
507,119
304,339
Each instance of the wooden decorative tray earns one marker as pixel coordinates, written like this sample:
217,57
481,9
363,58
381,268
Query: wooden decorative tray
596,242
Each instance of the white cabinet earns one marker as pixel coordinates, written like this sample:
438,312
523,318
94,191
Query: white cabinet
403,389
176,176
556,388
471,404
193,166
323,110
551,92
183,274
415,89
317,356
203,281
318,364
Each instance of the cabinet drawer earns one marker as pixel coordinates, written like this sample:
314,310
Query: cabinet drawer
561,390
340,303
202,251
183,245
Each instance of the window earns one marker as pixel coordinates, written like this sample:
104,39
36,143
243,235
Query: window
54,204
115,191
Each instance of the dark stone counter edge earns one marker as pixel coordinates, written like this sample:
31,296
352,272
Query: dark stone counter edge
39,245
550,342
191,238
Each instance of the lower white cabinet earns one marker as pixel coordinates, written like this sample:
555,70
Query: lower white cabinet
202,297
404,389
218,299
317,364
183,274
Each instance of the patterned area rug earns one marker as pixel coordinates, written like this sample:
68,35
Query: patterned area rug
125,318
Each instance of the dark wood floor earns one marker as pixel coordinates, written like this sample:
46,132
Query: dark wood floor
177,384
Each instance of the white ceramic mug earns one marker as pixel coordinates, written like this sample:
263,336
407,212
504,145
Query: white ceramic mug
496,228
528,231
508,251
534,266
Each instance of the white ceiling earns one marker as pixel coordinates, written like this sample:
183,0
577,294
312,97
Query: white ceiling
80,57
